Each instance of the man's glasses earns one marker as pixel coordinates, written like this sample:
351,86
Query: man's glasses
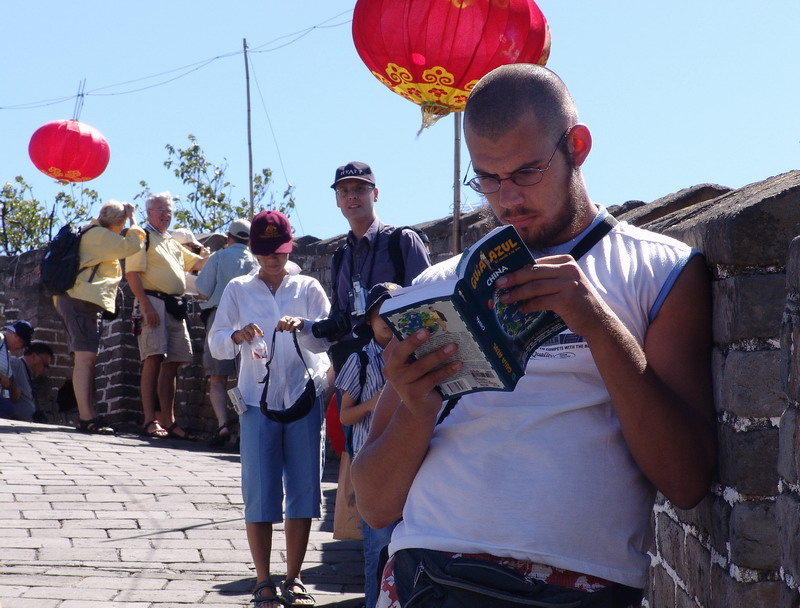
355,191
45,362
489,184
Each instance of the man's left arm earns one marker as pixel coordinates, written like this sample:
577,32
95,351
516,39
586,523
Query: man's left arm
661,390
207,279
193,262
14,390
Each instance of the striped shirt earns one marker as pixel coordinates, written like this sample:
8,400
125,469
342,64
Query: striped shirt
348,381
5,359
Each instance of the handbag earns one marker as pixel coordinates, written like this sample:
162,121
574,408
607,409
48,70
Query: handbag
303,405
428,579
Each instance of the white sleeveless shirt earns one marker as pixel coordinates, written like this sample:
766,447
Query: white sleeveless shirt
543,473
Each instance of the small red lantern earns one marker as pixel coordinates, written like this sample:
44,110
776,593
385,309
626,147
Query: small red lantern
433,52
69,151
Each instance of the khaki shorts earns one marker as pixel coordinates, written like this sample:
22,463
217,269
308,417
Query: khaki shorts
170,338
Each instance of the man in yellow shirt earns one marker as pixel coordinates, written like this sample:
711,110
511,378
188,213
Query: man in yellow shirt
157,278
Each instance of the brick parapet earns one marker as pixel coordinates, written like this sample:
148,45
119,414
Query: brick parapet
739,546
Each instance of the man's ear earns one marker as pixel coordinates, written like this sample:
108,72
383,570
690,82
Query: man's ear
579,143
375,194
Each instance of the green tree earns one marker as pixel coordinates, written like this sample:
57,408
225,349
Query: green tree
207,206
26,223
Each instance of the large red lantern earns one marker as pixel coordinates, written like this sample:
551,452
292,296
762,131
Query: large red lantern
432,52
69,151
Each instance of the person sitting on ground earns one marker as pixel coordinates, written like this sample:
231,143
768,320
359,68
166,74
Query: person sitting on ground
94,297
360,382
35,360
234,260
13,337
273,453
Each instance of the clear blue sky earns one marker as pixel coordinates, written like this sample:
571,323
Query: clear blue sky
675,94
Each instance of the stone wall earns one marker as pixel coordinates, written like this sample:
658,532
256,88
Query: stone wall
118,365
740,547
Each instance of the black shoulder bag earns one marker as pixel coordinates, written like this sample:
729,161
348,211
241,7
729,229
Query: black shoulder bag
303,405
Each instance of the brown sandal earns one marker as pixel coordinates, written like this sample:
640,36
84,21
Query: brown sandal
183,434
95,426
157,432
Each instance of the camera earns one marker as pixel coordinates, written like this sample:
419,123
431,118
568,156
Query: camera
237,400
333,328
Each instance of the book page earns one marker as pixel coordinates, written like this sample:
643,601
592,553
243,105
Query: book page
447,326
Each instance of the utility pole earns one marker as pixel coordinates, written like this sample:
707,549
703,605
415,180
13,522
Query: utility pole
249,132
457,186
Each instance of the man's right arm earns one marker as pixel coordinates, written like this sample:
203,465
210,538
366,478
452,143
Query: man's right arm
401,429
149,314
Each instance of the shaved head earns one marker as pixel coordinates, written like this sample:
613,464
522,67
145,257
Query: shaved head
512,92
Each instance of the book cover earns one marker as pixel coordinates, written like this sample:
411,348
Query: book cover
495,340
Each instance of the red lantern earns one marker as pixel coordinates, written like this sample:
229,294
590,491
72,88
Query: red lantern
432,52
69,151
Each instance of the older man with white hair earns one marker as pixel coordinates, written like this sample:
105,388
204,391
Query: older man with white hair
157,278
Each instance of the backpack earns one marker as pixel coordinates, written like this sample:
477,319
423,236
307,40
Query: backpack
61,261
396,254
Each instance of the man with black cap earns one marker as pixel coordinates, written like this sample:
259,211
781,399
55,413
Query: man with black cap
13,337
234,260
370,255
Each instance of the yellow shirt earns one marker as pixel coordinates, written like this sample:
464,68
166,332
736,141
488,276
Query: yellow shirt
101,246
163,265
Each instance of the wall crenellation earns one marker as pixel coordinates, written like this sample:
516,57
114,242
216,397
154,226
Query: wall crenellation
740,547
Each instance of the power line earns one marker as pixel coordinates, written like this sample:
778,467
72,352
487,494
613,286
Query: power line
186,69
301,33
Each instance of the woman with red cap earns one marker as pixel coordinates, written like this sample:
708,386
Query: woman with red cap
276,305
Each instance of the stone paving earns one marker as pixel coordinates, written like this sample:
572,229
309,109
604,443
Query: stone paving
88,521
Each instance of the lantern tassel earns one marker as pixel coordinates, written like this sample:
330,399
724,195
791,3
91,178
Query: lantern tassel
431,112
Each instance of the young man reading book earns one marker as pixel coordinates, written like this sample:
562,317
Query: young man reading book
554,482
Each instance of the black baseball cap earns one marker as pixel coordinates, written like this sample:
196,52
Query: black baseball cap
23,329
354,170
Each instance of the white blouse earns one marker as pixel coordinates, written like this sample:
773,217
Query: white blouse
247,299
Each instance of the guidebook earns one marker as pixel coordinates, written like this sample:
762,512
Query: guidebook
495,340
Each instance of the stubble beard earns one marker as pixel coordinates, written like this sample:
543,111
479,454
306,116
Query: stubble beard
568,222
